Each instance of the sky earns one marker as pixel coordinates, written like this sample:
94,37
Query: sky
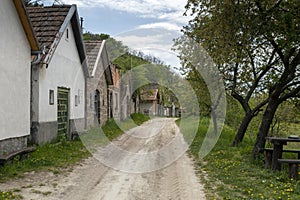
144,25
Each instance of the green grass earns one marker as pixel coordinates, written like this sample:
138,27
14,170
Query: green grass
231,172
139,118
47,157
101,136
113,129
9,195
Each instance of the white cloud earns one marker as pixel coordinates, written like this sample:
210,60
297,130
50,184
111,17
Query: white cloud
142,42
154,40
164,25
158,9
176,17
150,35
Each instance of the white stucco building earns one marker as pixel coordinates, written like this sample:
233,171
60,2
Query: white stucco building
16,43
149,102
59,80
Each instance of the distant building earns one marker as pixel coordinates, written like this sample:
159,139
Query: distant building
149,102
126,102
114,93
100,78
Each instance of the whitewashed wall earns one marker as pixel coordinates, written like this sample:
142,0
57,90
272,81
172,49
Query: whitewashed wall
64,70
15,57
147,106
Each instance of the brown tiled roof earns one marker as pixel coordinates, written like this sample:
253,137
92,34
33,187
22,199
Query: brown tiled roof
46,22
27,26
92,50
149,95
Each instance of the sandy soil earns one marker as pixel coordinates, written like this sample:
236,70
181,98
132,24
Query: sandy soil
91,180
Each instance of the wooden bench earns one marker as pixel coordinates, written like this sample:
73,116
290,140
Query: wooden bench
269,154
293,167
22,152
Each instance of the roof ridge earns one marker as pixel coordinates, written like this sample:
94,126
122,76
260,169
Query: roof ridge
93,41
58,6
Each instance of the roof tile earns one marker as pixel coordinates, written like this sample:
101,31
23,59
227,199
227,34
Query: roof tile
46,22
92,49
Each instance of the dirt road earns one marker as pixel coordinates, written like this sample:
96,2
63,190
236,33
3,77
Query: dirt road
164,178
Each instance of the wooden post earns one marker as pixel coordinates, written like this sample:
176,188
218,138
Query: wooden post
293,171
268,160
277,153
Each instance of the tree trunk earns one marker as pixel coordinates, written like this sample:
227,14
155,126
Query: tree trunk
242,129
214,118
265,126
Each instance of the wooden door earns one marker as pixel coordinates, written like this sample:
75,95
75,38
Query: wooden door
63,111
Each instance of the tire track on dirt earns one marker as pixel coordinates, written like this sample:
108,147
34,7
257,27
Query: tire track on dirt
92,180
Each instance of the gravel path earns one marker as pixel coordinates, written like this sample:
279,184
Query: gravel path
91,180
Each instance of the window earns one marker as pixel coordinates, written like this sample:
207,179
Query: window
79,96
51,97
76,100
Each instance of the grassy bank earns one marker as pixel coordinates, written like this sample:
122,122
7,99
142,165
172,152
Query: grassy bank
113,129
230,173
61,154
101,136
47,157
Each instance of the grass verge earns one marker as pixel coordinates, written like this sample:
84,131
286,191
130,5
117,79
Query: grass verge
230,173
113,129
50,157
101,136
47,157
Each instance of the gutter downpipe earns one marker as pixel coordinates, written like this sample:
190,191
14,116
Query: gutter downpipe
39,57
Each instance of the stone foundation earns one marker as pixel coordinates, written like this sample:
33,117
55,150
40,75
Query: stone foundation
76,125
13,144
43,132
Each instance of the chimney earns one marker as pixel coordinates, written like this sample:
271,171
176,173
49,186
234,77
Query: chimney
81,23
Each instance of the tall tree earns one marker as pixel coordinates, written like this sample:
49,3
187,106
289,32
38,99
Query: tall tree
201,72
256,46
240,81
282,21
95,36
